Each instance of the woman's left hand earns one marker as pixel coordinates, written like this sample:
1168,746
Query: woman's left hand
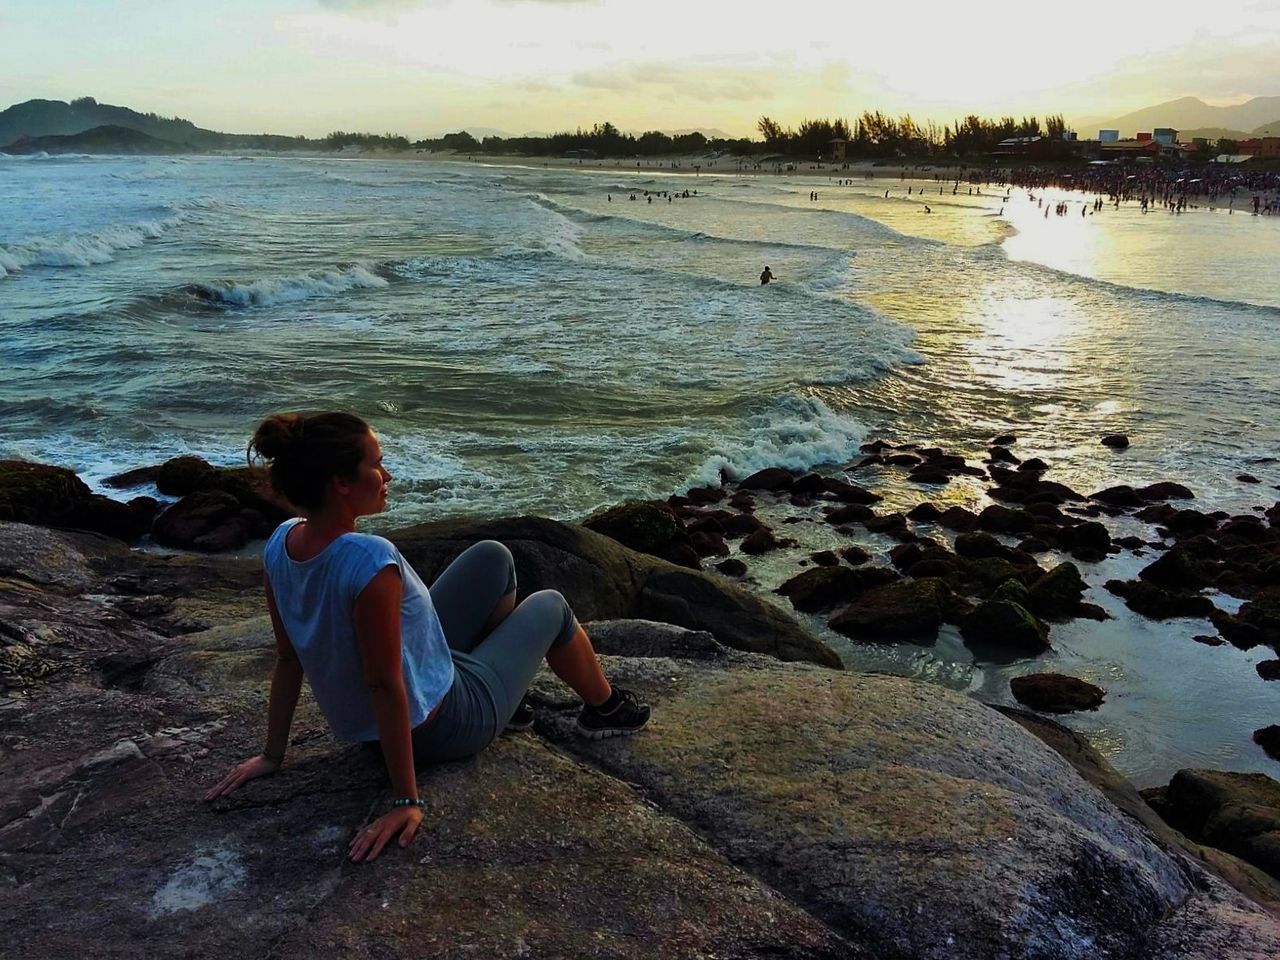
368,843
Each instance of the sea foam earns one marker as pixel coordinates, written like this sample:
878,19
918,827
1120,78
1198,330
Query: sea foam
796,432
83,250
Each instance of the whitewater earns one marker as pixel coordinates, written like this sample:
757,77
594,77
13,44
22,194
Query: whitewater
531,340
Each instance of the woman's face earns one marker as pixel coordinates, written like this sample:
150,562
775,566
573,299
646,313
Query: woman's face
366,492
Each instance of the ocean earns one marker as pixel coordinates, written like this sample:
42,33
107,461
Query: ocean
528,339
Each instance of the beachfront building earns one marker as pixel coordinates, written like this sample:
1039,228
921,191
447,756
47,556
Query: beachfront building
836,149
1023,147
1108,136
1165,135
1268,147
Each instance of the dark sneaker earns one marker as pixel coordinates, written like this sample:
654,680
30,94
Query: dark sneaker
627,716
522,719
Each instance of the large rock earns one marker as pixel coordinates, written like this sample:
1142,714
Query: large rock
910,611
1058,594
911,818
1235,812
649,526
604,580
55,497
1159,604
1056,692
1004,627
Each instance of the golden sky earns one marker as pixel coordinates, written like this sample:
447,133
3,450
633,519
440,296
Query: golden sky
423,67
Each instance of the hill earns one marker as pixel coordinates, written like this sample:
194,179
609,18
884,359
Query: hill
104,139
1189,113
56,118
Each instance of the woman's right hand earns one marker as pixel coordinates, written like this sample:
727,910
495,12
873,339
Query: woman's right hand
241,774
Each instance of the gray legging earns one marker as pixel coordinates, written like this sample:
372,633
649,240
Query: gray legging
491,671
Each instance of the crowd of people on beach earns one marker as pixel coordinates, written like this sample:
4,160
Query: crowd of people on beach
1160,187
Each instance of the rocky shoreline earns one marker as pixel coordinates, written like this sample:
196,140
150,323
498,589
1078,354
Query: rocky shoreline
779,806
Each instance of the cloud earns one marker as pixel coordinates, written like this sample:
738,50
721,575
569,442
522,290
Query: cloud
672,79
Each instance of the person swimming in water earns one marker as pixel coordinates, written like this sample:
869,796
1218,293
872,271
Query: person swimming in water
765,276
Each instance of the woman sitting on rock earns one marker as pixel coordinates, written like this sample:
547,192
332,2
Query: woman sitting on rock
431,675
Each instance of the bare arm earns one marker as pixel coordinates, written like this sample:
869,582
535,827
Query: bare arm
377,622
286,682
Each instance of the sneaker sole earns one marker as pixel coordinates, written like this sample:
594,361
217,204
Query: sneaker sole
607,732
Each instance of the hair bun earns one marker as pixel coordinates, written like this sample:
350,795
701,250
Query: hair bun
277,435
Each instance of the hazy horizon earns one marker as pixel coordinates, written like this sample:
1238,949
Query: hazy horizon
422,67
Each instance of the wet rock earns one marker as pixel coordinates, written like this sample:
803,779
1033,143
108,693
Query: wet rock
1116,441
741,525
825,558
1056,693
1013,590
1268,669
1033,545
707,494
875,446
1237,632
742,501
909,554
707,544
762,541
1248,478
36,493
1268,738
181,476
849,492
924,513
1057,595
1002,455
1243,528
1121,496
733,567
1006,626
131,478
1209,639
649,526
850,513
1088,541
903,460
1158,604
771,479
1235,812
979,545
887,523
1034,465
1166,490
939,566
1004,439
1188,523
929,475
855,555
208,521
1042,512
910,611
959,519
984,574
1004,520
822,588
1176,570
809,485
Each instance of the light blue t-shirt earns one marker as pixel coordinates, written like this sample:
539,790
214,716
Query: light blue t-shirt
316,600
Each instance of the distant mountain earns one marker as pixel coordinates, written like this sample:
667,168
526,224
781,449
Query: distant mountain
1212,133
1271,129
104,139
55,118
1191,113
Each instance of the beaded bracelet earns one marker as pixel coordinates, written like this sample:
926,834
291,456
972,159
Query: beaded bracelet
409,802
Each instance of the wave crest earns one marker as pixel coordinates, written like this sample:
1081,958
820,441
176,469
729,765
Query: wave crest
275,290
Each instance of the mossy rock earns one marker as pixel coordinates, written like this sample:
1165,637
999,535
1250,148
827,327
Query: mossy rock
649,526
908,611
1058,593
180,476
37,493
822,587
1015,591
1005,626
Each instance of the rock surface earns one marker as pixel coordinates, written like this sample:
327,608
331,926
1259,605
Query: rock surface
770,809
